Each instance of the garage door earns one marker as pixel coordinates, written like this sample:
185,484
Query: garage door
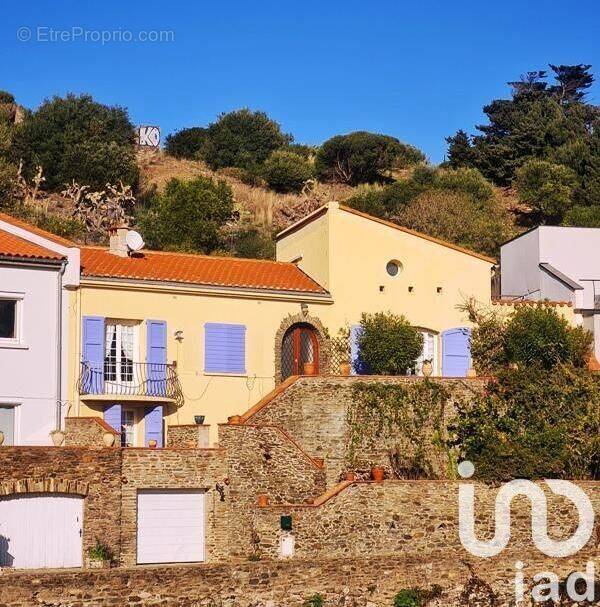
40,530
170,526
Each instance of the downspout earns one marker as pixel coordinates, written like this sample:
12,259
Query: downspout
59,332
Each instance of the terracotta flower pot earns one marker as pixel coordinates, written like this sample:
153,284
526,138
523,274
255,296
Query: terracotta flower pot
377,473
309,368
263,501
152,443
235,420
350,476
344,368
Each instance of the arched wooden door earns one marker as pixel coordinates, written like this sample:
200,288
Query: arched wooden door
300,350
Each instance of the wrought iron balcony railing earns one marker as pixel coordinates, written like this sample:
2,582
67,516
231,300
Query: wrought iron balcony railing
127,378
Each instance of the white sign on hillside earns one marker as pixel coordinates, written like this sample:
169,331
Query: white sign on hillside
149,136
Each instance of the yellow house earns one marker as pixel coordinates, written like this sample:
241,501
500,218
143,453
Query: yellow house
158,339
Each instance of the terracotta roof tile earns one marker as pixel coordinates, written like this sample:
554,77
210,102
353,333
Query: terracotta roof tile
19,223
198,269
14,246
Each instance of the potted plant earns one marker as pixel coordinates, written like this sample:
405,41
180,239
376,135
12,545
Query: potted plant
341,348
427,367
99,556
351,475
377,473
309,368
152,443
199,419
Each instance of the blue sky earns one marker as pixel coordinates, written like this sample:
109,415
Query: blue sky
415,70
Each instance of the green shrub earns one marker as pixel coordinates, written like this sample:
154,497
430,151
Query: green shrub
363,157
6,97
583,217
387,344
539,336
286,171
417,597
186,143
100,551
242,139
78,138
188,215
315,600
467,181
251,243
533,423
547,188
8,181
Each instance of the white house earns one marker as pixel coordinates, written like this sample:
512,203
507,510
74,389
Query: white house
35,271
558,264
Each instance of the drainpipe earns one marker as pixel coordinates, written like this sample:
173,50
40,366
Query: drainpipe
59,331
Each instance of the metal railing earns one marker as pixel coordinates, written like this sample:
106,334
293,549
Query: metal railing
127,378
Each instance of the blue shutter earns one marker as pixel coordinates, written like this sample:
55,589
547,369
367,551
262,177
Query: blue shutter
93,355
357,366
456,352
156,357
112,416
153,422
224,348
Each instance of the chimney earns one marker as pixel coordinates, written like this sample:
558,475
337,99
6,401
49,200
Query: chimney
118,245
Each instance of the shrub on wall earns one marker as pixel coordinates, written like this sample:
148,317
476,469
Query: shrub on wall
404,421
532,335
387,344
533,423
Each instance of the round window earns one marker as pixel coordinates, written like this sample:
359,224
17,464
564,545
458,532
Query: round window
393,267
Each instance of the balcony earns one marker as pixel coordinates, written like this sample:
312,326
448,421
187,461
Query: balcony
130,381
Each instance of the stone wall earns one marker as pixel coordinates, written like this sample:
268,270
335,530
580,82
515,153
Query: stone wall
93,473
313,411
188,435
264,461
406,517
88,432
176,469
347,582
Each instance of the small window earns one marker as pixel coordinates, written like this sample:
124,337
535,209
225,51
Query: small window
7,423
393,267
8,318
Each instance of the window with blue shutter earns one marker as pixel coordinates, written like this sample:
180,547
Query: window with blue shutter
156,357
357,366
456,352
153,423
224,348
112,416
92,376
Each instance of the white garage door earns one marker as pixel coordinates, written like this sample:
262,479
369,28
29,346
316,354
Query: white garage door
39,531
170,526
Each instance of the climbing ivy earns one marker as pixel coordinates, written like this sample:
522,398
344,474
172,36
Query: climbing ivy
404,421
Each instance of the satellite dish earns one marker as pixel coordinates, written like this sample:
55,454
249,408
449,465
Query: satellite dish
134,241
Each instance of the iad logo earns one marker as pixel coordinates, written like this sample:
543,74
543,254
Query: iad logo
539,516
547,582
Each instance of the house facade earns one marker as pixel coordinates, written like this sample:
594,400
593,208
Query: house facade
557,264
371,265
36,273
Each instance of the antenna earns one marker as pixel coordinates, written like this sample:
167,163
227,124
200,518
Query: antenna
134,241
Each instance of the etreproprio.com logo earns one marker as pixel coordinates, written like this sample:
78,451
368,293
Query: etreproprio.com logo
547,582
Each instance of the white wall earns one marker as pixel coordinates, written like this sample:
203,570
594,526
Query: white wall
28,370
519,265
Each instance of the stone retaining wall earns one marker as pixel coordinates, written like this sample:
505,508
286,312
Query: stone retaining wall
313,411
347,582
